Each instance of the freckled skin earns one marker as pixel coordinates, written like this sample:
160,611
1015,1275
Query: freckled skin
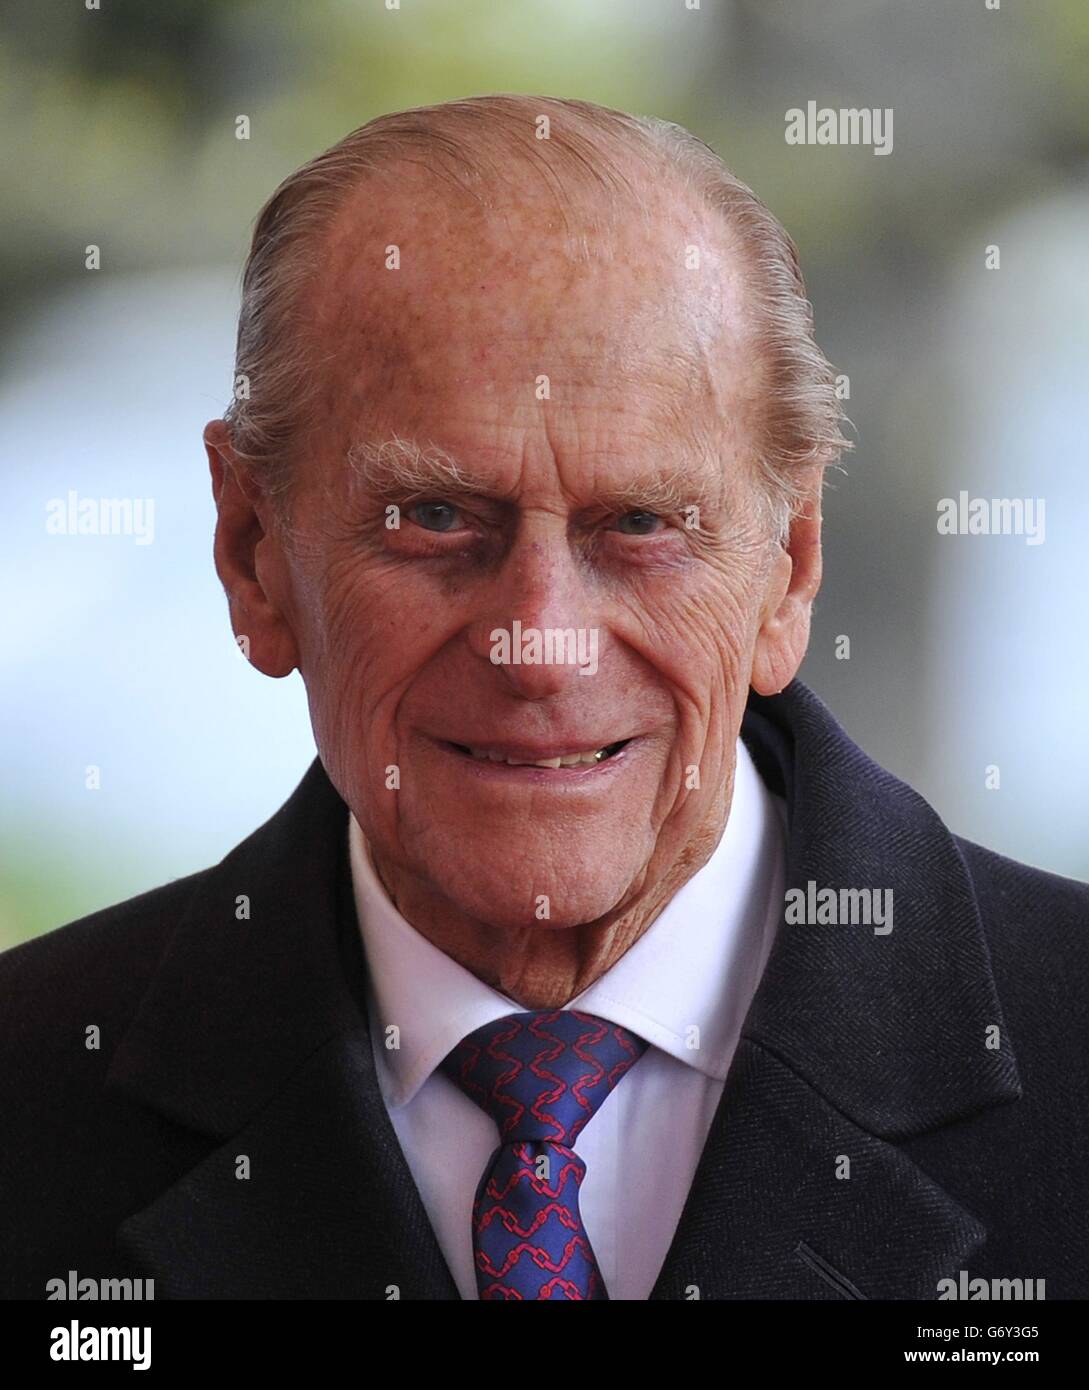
648,365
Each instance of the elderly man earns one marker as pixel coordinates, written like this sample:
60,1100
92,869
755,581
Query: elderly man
590,959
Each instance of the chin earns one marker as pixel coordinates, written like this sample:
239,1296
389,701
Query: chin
512,905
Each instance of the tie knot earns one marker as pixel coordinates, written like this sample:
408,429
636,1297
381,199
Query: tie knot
543,1075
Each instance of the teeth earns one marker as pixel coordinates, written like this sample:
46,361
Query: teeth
568,760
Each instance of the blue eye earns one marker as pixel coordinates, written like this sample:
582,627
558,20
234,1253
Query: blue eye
642,523
434,516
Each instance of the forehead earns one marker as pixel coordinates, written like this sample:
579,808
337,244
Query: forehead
431,307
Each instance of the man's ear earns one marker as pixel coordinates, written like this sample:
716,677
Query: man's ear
250,561
794,576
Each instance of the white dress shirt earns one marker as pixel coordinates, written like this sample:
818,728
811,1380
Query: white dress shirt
685,986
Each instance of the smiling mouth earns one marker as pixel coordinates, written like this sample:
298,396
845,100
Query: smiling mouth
590,757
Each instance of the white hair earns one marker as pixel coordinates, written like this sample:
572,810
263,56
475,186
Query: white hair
472,142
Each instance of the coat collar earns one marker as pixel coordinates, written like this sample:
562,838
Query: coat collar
892,1029
254,1030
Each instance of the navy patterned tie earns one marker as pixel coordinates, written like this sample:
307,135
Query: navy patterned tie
542,1077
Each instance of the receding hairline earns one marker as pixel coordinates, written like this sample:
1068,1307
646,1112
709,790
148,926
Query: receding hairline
592,178
469,144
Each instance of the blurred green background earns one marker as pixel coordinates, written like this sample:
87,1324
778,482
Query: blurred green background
119,131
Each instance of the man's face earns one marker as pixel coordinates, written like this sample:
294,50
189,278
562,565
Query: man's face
568,393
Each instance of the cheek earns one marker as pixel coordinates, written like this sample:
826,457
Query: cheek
363,655
700,637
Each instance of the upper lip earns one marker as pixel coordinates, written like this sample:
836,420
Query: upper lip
534,752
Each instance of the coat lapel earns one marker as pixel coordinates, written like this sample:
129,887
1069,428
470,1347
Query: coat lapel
254,1033
854,1043
329,1209
772,1212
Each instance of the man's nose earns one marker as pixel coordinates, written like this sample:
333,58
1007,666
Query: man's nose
536,625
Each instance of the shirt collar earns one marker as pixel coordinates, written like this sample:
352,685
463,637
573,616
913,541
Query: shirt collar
685,986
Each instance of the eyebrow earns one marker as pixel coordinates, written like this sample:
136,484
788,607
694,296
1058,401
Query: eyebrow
398,467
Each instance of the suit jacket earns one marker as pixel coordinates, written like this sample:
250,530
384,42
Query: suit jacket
945,1061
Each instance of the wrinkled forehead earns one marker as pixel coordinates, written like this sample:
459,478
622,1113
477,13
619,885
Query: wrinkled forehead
425,292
